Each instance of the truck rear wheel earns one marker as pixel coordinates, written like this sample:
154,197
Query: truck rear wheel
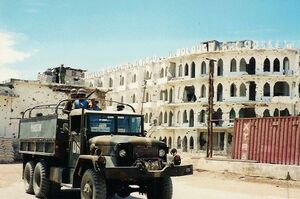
41,185
93,185
28,177
160,188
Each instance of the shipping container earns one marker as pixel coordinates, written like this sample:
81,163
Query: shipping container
274,140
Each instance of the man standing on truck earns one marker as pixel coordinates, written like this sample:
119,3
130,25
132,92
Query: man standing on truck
94,105
73,96
82,101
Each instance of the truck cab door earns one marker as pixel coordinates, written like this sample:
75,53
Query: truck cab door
74,141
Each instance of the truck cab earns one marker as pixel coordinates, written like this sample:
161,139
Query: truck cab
101,152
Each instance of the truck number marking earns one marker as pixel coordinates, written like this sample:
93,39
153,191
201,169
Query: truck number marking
36,127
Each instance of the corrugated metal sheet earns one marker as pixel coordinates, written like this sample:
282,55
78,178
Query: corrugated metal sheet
274,140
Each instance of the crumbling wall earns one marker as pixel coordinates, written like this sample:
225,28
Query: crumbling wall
6,150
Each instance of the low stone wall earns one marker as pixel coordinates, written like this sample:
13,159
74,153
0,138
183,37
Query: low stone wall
248,168
6,150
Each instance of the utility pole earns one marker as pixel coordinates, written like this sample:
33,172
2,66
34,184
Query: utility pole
209,143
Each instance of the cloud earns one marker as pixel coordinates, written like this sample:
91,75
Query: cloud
9,55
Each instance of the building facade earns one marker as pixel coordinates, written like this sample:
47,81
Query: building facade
250,80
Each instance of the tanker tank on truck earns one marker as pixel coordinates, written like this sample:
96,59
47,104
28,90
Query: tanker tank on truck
101,152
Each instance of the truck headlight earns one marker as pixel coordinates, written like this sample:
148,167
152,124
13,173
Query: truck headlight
161,153
122,153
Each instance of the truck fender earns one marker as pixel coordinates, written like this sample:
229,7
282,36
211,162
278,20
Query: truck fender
84,162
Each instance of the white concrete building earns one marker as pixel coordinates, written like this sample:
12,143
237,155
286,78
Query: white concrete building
250,80
18,95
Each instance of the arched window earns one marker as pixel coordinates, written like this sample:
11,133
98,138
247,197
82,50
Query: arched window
180,70
165,117
232,90
178,117
122,99
193,70
191,119
133,98
233,65
170,142
171,95
267,65
191,142
161,73
276,113
179,142
243,65
276,65
203,68
203,91
286,65
285,112
150,118
202,116
170,118
267,90
186,70
160,118
220,68
147,97
231,115
184,144
146,118
251,67
266,113
281,89
242,90
220,92
111,82
134,78
184,117
217,117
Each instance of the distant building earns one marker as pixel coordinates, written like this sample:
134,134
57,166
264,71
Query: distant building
250,80
62,75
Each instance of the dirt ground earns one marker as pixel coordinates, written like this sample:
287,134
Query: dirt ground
202,184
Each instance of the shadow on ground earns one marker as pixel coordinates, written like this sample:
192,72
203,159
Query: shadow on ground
75,194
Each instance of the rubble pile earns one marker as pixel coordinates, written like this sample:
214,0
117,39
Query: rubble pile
6,150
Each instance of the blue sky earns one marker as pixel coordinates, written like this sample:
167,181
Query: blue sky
95,34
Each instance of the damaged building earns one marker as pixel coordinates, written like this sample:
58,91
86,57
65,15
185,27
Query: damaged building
18,95
62,75
250,80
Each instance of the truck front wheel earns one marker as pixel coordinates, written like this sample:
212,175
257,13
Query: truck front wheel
161,188
41,185
93,185
28,177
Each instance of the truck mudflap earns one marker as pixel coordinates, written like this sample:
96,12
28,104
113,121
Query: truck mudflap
127,173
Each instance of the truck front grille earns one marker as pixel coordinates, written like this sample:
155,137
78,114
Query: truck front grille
142,151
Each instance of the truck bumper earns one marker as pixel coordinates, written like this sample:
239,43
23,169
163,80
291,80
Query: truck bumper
133,173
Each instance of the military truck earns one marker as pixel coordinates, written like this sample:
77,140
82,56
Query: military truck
103,153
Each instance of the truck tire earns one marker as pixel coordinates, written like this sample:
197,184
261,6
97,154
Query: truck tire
41,184
28,177
160,188
55,189
93,185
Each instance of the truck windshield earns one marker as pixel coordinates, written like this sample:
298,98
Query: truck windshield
114,124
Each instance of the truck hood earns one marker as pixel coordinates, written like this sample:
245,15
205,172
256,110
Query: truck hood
112,140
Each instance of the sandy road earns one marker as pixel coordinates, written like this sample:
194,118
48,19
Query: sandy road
200,185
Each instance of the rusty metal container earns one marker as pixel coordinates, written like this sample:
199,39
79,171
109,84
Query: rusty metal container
274,140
